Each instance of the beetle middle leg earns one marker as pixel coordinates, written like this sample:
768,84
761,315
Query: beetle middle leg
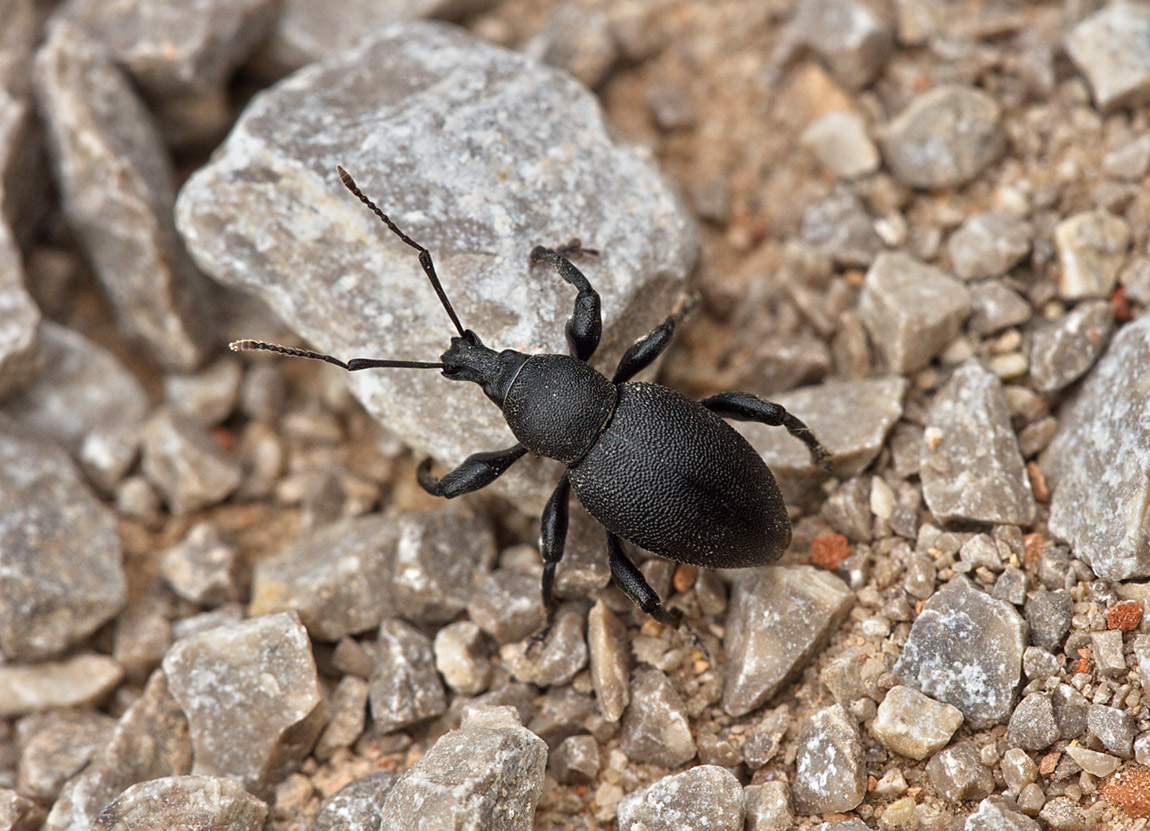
552,541
476,471
743,406
585,326
649,347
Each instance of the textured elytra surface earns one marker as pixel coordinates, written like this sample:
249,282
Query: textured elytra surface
720,505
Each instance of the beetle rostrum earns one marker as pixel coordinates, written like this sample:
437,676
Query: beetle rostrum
655,468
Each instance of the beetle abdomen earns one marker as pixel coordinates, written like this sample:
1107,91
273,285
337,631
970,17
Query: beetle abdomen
672,477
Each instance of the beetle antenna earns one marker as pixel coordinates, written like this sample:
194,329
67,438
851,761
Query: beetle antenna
351,366
424,254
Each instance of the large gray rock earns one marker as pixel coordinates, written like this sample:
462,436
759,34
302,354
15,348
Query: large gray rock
477,153
61,571
1099,461
1112,49
485,776
211,803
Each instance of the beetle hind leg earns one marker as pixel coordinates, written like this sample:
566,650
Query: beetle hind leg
743,406
627,577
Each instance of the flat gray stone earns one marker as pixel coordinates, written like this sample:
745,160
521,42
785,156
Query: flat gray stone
85,399
1098,463
841,228
337,578
911,310
1032,724
478,154
176,49
971,466
998,813
203,567
185,465
965,649
61,569
485,776
210,803
404,688
1112,49
944,138
461,657
610,661
958,774
117,190
840,141
989,244
995,306
252,697
704,798
77,681
830,771
55,746
778,618
656,729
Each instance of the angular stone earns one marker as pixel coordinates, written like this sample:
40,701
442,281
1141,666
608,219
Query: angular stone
1108,653
185,465
840,227
85,399
851,418
337,577
1091,250
61,572
252,697
580,40
1113,727
18,813
1032,724
1110,49
175,50
1093,762
348,716
56,745
437,558
488,774
944,138
210,395
841,142
1062,351
149,741
211,803
356,806
958,774
997,813
914,724
562,655
655,726
562,712
1099,461
19,318
1070,711
989,244
911,310
778,619
995,306
461,657
74,682
505,604
769,807
1049,614
704,798
576,760
965,649
405,688
1018,769
830,770
240,216
971,466
610,661
117,190
203,567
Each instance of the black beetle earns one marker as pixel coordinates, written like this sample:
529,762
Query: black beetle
656,468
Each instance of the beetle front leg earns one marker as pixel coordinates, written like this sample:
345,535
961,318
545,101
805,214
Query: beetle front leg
552,540
649,347
476,471
627,577
743,406
585,326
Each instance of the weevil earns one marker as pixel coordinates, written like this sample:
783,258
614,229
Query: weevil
655,468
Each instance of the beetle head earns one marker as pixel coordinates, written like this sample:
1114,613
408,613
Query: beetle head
467,359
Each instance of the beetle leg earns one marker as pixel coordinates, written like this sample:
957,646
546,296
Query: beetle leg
628,578
477,471
645,350
585,326
552,538
743,406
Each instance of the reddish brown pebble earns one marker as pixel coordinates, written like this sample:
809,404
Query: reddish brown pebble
829,551
1048,763
1129,790
1124,616
1120,305
1033,545
1038,482
684,577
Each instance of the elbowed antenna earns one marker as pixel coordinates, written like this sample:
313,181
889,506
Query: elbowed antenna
351,366
424,254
